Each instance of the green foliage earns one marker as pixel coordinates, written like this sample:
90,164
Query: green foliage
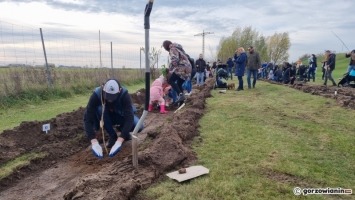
273,48
240,38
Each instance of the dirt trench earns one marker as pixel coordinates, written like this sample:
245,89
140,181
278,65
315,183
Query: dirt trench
344,96
70,171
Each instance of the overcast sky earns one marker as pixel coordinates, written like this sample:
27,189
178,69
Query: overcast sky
311,24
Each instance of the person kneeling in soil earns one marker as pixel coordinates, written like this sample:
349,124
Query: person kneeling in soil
115,104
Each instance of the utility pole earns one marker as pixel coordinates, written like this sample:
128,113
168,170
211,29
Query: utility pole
203,40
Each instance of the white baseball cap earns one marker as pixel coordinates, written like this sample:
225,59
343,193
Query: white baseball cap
111,90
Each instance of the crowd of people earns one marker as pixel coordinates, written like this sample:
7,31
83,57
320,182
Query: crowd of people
111,109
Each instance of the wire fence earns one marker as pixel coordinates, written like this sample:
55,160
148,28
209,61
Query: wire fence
75,58
22,46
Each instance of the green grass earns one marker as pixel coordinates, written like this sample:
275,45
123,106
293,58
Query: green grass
298,139
21,161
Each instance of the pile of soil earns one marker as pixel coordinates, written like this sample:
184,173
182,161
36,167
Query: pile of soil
70,171
344,96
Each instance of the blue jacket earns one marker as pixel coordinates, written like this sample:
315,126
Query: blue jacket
240,63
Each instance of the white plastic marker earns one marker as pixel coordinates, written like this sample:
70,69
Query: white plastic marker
182,105
335,92
46,127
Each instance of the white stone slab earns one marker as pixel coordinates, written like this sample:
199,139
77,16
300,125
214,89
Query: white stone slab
191,172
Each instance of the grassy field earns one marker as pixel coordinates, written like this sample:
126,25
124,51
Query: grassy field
260,146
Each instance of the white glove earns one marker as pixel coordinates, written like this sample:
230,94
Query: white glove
96,148
115,148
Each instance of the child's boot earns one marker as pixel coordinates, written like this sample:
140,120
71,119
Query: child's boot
150,107
162,109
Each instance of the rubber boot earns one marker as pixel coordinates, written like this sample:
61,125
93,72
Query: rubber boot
150,107
162,109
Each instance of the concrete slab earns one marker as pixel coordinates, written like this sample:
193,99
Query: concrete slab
191,172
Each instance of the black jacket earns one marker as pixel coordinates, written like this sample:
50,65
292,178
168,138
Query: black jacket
200,65
331,61
121,108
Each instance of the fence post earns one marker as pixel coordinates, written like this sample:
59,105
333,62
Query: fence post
112,74
49,78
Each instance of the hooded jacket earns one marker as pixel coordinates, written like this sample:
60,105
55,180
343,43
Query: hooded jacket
156,90
179,62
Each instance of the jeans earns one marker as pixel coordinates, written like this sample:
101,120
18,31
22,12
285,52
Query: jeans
187,85
328,75
311,73
200,78
240,80
229,69
176,83
255,76
172,94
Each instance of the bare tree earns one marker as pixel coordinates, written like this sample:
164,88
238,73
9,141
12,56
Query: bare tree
154,55
278,46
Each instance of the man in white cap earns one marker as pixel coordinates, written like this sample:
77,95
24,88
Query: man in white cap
118,110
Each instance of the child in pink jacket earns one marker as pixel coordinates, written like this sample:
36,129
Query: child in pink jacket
157,94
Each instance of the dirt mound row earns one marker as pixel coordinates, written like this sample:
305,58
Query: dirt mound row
70,171
344,96
169,149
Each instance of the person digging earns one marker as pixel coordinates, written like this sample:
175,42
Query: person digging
109,105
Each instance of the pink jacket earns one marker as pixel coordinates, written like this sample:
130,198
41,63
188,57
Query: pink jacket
156,90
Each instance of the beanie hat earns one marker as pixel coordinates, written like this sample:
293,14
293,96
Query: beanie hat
111,90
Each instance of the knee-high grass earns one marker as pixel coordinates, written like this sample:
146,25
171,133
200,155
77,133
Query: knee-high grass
22,84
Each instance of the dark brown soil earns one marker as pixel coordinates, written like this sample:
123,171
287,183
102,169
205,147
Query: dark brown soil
70,171
344,96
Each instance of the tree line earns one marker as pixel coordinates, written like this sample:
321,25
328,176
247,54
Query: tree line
271,49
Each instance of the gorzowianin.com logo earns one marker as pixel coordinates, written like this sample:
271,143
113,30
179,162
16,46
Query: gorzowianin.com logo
307,191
